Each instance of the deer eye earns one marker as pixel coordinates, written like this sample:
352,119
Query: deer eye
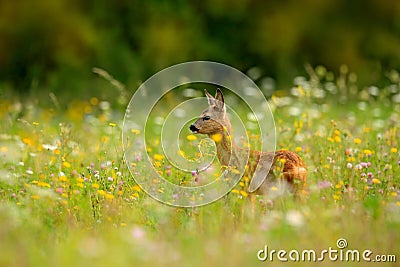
206,118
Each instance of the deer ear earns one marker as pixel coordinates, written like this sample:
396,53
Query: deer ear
220,97
211,99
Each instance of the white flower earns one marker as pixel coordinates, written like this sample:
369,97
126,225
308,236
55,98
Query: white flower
349,165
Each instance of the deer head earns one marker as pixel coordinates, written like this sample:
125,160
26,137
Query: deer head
213,120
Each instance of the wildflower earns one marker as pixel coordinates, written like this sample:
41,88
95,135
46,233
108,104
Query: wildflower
30,172
35,123
393,150
367,152
66,164
109,196
101,192
158,157
194,173
28,141
59,190
49,147
136,188
337,139
216,138
243,193
376,181
298,149
357,141
97,186
349,165
235,191
135,131
324,184
110,179
294,218
191,137
112,124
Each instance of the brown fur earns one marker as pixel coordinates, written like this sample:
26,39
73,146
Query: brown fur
214,120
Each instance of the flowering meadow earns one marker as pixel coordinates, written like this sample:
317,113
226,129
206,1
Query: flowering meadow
67,197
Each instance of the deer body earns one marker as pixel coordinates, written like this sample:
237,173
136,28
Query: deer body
214,121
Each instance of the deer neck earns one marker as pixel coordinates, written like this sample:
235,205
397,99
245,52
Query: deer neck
224,149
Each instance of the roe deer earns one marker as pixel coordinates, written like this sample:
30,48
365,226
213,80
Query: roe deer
214,121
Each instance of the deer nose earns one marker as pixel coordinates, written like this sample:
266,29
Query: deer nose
193,128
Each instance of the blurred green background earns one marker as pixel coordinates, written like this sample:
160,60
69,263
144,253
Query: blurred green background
52,46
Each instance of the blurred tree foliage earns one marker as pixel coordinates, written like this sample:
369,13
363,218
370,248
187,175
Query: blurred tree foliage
54,44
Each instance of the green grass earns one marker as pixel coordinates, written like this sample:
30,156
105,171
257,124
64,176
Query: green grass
68,199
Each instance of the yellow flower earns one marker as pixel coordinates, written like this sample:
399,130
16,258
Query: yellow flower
35,197
216,138
157,164
43,184
274,188
376,181
112,124
158,157
109,196
298,149
181,153
97,186
66,164
351,159
135,131
35,123
357,141
191,137
27,141
62,179
337,139
80,185
367,152
393,150
336,197
136,188
235,191
94,101
243,193
101,192
336,132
